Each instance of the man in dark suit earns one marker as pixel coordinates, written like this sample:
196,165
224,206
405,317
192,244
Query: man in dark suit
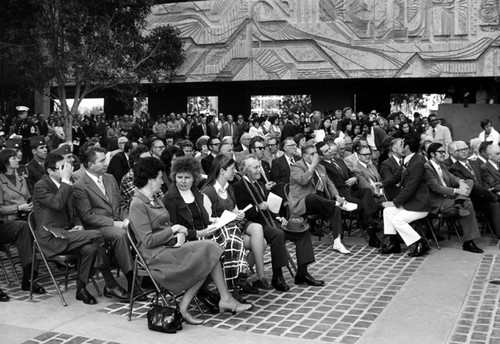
59,231
100,206
35,167
312,192
242,126
244,142
481,197
213,144
275,237
290,129
257,147
347,185
410,205
229,128
188,130
119,164
280,169
450,195
390,169
490,171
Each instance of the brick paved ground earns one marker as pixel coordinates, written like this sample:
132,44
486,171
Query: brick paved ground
64,338
358,288
479,318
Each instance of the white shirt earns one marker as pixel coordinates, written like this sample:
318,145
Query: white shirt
439,171
493,136
370,138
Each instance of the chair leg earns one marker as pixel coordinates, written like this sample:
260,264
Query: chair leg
9,256
94,283
431,228
420,230
131,303
51,276
454,223
4,272
291,264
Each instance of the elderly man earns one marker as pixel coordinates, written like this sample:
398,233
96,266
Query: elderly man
450,195
348,187
248,191
244,142
352,160
481,197
312,192
490,170
367,173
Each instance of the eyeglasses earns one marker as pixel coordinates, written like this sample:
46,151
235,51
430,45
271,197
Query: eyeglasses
271,144
441,151
366,154
462,150
259,148
215,144
160,147
291,145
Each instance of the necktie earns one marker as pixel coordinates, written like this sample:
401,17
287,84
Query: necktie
317,182
374,172
337,166
263,172
100,184
440,173
434,133
469,167
292,161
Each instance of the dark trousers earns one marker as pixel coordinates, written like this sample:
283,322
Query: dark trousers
316,204
276,238
363,197
18,233
88,245
117,237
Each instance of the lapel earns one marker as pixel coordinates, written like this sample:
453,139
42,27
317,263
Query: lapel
4,180
69,204
465,171
343,167
94,188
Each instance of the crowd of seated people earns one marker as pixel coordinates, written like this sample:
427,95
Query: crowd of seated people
170,182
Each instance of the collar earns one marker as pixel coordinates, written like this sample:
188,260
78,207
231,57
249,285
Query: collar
94,178
493,164
482,159
220,188
408,158
58,185
436,165
363,164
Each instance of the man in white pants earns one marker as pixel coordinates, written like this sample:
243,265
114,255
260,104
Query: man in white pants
410,205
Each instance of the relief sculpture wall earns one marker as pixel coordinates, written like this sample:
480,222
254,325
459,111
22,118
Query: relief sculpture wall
244,40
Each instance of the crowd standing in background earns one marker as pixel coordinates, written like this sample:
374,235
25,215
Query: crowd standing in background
177,174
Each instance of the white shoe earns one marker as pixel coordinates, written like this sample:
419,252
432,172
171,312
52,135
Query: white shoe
339,247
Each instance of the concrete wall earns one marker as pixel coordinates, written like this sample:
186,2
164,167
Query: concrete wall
465,120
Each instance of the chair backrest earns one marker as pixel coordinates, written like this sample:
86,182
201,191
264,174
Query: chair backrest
286,190
32,226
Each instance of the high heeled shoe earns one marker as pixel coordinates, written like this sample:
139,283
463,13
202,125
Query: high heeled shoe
234,308
189,319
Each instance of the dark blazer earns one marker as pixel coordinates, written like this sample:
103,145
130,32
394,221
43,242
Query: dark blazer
280,170
390,171
414,193
243,127
179,210
244,198
206,163
266,168
478,192
35,173
438,192
53,208
289,130
118,166
95,209
379,136
337,177
226,130
448,162
491,177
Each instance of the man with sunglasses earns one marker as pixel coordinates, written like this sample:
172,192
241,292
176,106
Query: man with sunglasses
214,146
257,147
450,195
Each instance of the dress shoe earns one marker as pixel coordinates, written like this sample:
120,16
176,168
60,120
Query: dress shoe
339,247
247,288
209,299
280,284
189,319
374,241
117,293
308,279
234,307
4,297
392,248
418,251
461,211
262,284
139,293
84,296
37,288
471,247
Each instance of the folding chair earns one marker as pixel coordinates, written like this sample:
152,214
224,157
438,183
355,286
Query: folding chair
66,259
10,259
484,222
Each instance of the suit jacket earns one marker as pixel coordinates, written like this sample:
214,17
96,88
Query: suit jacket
11,196
301,185
351,161
225,130
478,192
118,166
367,174
53,208
35,173
244,198
266,169
280,170
414,193
192,131
95,209
438,192
243,127
379,137
206,163
491,177
337,177
289,130
390,171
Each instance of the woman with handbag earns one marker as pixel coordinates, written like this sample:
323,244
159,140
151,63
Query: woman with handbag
187,206
175,264
221,197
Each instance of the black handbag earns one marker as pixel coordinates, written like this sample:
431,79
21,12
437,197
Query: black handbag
164,318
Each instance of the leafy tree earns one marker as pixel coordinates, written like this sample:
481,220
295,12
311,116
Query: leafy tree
90,45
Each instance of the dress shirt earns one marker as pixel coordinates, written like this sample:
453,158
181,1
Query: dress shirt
98,182
439,171
493,136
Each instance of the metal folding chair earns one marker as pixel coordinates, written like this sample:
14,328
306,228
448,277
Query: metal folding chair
10,259
66,259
